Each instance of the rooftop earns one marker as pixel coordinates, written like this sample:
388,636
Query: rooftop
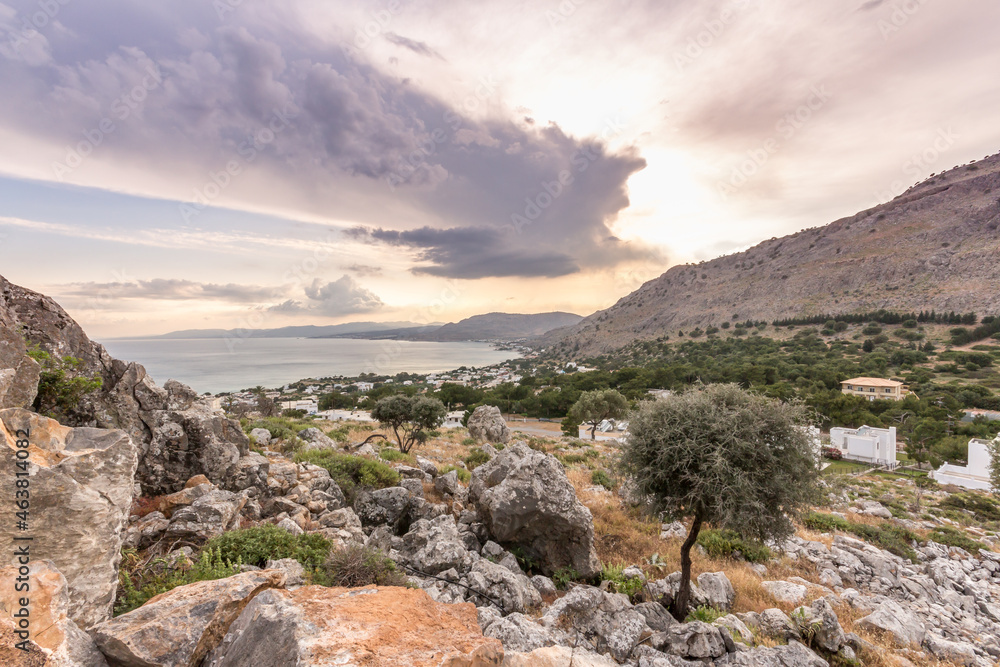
873,382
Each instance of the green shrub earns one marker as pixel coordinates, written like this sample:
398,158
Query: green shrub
952,537
619,583
469,442
726,544
476,458
60,387
894,539
356,565
570,459
601,478
393,455
259,544
564,576
983,508
351,472
705,614
139,586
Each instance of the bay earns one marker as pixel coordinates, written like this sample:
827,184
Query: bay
216,365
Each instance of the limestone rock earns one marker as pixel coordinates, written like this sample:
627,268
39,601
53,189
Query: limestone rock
716,590
792,655
261,436
785,591
822,621
81,494
557,656
517,632
315,626
605,620
514,591
447,483
179,628
433,546
890,617
695,640
486,424
50,625
524,498
383,507
209,516
18,372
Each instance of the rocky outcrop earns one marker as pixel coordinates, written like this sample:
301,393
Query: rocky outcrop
180,627
316,626
487,424
80,486
178,434
524,498
51,629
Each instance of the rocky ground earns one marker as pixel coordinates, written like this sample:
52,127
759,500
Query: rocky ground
484,548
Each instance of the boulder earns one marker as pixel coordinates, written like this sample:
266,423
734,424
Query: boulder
447,483
517,632
821,621
145,531
793,654
696,640
180,627
209,516
524,498
513,591
956,652
657,617
383,507
315,626
716,590
785,591
316,439
892,618
487,424
261,436
80,485
51,629
606,621
19,373
433,546
557,656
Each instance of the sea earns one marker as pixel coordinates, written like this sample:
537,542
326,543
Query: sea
218,365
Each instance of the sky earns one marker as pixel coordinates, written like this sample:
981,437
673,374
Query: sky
256,164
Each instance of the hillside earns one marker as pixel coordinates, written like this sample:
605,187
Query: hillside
306,331
491,326
933,247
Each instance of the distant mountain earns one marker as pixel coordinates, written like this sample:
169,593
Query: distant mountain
502,326
307,331
935,247
492,326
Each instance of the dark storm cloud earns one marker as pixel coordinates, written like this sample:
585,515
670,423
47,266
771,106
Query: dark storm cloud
179,93
419,48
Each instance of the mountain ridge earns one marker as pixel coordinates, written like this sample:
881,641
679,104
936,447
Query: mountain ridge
934,247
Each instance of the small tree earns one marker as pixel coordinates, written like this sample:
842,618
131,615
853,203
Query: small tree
720,455
994,450
409,417
593,407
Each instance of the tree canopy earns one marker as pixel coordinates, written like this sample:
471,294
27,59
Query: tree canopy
409,418
593,407
721,455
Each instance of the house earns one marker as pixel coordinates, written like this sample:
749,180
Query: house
988,415
364,387
875,388
454,419
309,406
866,444
975,475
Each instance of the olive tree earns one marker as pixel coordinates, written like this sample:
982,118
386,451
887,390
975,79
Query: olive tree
409,418
593,407
724,456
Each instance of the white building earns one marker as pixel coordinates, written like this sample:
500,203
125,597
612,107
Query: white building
309,406
453,419
866,444
346,415
975,475
364,386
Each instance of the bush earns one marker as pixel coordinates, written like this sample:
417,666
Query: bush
872,330
729,544
476,458
705,614
392,455
137,587
894,539
832,453
60,388
259,544
952,537
619,583
983,508
564,576
601,478
356,565
351,472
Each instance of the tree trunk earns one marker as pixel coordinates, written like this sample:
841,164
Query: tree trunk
593,431
683,599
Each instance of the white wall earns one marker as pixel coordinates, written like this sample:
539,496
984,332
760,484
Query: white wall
975,475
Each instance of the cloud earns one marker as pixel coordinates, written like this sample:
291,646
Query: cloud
471,253
419,48
364,270
326,131
161,289
870,5
339,297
